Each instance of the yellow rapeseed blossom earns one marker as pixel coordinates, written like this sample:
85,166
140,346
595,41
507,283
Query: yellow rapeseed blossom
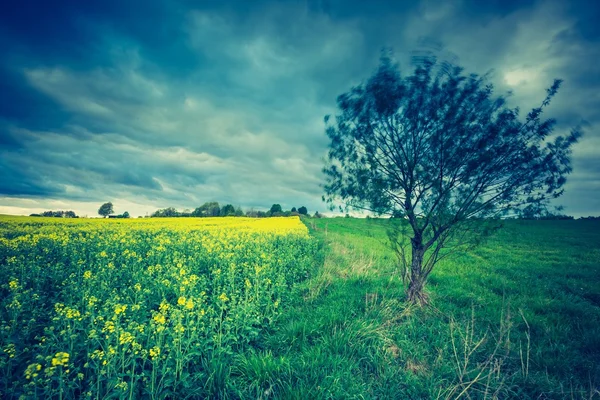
10,350
126,338
92,300
13,284
109,327
181,301
189,304
154,352
223,297
32,371
120,308
60,359
159,318
164,307
87,274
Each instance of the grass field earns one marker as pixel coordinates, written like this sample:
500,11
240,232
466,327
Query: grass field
519,317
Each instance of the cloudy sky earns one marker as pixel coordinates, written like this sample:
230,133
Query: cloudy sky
151,104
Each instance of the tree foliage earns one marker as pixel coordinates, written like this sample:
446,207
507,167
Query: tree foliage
106,209
227,210
275,208
209,209
302,210
437,150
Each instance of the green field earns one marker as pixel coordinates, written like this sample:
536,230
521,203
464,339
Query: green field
519,318
325,318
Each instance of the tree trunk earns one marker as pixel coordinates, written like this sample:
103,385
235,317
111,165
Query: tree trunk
416,293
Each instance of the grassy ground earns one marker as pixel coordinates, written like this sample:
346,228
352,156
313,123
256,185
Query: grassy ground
519,317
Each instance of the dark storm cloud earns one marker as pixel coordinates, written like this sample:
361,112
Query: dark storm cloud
160,103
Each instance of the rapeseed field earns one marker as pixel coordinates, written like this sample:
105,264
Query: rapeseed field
138,308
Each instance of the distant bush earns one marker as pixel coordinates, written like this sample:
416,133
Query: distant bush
124,215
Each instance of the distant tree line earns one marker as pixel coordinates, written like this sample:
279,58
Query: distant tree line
213,209
541,212
56,214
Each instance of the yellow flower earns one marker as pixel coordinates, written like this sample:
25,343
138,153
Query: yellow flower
164,307
92,300
13,284
223,297
159,318
72,313
97,354
154,352
60,359
189,304
109,327
126,338
10,350
32,370
181,301
87,274
120,308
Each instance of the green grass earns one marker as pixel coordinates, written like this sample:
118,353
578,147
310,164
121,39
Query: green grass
518,317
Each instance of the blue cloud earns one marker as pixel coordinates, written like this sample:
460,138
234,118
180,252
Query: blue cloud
173,103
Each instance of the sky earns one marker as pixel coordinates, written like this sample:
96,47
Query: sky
154,104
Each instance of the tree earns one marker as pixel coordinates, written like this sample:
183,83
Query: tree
294,210
126,215
275,208
440,156
302,210
227,210
106,209
209,209
70,214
